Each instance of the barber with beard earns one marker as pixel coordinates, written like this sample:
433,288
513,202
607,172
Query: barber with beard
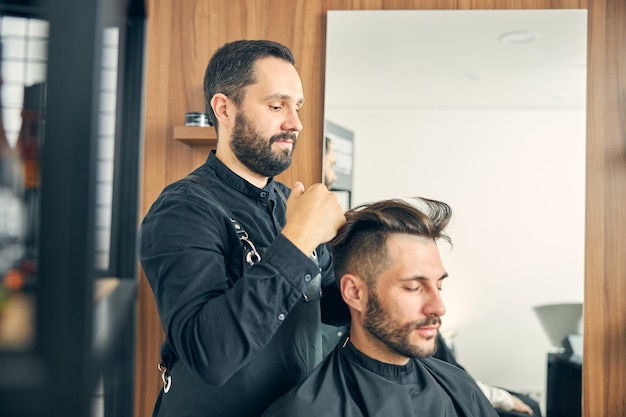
235,259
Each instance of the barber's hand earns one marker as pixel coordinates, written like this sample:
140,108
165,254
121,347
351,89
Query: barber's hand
313,216
520,406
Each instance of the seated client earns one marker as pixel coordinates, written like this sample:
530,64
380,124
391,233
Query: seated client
390,275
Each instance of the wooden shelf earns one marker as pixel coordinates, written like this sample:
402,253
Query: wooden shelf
196,135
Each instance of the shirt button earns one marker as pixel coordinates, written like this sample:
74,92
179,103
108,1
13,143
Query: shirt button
307,277
263,194
281,317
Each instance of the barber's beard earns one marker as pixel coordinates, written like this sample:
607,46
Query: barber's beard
395,336
255,151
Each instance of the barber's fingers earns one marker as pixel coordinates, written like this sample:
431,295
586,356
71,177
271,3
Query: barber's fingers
320,201
313,216
297,189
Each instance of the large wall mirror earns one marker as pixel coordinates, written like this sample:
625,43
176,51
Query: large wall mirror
483,109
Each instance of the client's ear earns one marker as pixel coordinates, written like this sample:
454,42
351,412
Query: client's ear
354,292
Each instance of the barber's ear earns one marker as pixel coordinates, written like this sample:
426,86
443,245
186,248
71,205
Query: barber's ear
354,292
221,107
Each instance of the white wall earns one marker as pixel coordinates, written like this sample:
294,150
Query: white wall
515,180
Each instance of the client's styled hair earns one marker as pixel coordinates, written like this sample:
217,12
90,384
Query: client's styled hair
360,245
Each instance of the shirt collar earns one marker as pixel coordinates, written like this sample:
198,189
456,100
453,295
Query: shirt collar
238,183
386,370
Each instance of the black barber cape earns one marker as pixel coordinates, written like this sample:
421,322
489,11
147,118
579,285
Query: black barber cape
350,384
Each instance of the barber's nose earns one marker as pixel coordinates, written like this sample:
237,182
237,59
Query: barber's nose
292,122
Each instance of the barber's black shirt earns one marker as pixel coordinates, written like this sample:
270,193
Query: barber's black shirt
237,336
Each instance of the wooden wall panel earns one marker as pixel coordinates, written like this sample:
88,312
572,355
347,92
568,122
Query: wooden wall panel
182,35
604,367
149,334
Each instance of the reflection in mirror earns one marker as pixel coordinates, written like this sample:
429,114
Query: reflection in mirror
484,110
338,161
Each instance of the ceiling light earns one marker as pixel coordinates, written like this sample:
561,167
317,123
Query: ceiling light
518,37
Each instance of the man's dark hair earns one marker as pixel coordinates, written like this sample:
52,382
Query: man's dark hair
360,245
231,69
